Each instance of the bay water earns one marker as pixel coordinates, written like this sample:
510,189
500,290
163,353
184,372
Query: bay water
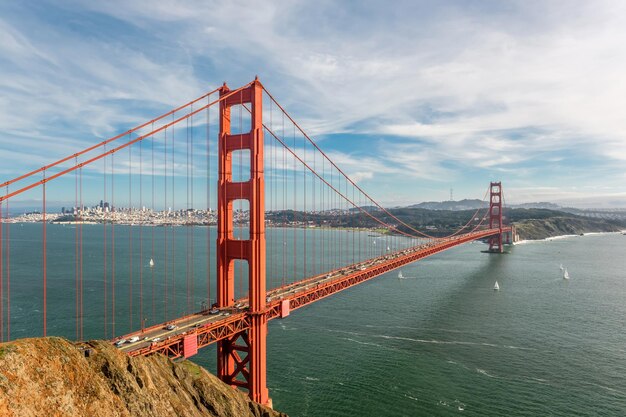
439,342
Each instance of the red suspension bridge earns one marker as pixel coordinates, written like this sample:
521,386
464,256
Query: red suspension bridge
175,290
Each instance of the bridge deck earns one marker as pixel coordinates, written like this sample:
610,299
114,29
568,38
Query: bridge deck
209,328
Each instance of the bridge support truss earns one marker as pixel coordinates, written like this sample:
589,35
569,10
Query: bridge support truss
241,358
495,216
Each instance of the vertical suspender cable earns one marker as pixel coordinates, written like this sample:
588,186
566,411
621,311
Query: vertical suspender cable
332,233
348,215
104,241
76,214
284,226
8,267
323,216
130,240
1,277
305,272
173,231
152,213
186,219
113,220
165,227
352,218
141,221
192,226
313,189
295,237
44,256
358,229
4,218
208,203
80,226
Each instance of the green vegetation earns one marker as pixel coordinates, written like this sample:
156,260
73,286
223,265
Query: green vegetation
5,349
532,223
191,368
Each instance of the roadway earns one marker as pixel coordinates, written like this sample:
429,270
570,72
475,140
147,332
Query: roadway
209,328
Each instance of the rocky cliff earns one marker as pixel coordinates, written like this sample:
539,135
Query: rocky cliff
54,377
534,229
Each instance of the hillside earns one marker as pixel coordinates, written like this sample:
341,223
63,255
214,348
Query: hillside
53,377
533,223
533,229
475,204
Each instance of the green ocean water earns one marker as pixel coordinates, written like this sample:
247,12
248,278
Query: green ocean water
440,342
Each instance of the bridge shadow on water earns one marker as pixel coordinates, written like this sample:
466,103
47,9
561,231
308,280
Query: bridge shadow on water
463,354
468,295
435,354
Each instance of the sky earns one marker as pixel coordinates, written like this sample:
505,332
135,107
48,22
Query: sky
411,98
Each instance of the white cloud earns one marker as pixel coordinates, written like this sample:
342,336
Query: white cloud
482,89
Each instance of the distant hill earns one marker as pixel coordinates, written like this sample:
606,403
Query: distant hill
476,204
541,205
451,205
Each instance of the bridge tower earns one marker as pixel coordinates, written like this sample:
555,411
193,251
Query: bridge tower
241,359
495,216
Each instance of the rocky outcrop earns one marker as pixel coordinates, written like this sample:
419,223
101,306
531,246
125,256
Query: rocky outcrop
54,377
534,229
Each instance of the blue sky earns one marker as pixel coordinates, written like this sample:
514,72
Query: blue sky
412,98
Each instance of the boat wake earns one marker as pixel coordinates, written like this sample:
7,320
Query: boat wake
452,342
362,343
287,329
456,403
427,341
483,372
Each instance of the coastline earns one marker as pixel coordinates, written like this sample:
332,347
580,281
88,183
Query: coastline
569,236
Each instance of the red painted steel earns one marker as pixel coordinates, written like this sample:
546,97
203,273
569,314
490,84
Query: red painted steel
240,330
105,153
242,357
284,308
1,278
190,345
495,216
297,295
104,143
44,255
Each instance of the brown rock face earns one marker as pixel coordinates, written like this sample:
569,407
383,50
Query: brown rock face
52,377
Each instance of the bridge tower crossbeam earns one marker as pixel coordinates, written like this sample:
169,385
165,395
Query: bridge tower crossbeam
241,358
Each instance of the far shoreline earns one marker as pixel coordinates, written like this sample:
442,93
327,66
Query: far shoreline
569,236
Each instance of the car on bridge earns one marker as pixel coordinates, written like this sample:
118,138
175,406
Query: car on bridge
170,327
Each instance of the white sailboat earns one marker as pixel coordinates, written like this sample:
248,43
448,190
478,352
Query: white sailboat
151,263
388,248
565,274
561,267
400,276
496,287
